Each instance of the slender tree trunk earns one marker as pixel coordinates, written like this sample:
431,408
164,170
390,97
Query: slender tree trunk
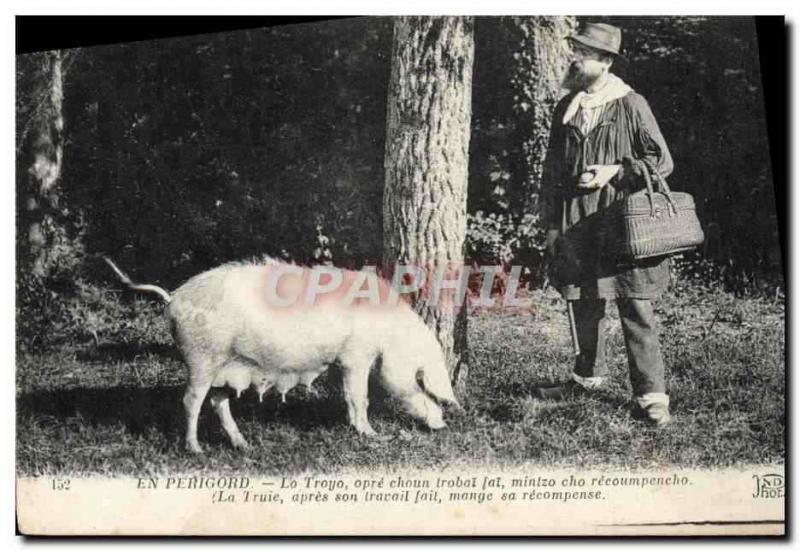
541,62
45,148
427,146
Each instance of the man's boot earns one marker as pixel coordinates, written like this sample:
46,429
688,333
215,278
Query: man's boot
575,388
654,408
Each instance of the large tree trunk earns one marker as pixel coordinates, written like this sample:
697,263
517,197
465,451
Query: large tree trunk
541,62
427,146
45,150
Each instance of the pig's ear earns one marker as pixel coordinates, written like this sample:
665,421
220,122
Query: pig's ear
436,382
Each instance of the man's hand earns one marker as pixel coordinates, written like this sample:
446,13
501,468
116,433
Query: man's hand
597,176
550,242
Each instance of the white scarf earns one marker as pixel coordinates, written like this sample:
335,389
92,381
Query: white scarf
613,89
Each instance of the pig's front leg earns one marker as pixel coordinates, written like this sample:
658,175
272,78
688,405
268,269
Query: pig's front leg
355,367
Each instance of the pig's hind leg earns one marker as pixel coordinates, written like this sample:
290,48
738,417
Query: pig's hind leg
220,401
201,373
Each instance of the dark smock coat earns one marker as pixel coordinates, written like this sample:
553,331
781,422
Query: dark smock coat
583,266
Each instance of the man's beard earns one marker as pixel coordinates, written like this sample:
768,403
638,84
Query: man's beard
578,79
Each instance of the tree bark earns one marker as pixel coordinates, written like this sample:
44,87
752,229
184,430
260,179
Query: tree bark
426,161
45,157
541,62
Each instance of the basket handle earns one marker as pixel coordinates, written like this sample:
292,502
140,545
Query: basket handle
662,183
663,188
649,183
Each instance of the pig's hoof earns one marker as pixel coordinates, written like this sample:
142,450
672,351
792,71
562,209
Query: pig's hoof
194,447
436,425
367,431
241,444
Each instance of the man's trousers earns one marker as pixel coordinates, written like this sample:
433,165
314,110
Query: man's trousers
641,342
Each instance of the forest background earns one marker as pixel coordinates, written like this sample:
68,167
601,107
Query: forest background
179,154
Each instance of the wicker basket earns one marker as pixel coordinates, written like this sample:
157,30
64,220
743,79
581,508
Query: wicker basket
651,223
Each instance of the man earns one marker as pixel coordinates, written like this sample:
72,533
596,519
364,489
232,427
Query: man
601,132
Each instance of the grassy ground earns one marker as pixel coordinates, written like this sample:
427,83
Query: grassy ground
115,409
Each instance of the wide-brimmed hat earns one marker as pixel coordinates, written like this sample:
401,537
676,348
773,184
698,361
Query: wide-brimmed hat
600,36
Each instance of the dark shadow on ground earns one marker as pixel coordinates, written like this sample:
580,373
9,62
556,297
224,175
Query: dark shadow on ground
138,409
160,408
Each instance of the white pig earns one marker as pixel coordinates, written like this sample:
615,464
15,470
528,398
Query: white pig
230,334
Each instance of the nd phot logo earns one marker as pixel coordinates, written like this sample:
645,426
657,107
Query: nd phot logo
768,486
